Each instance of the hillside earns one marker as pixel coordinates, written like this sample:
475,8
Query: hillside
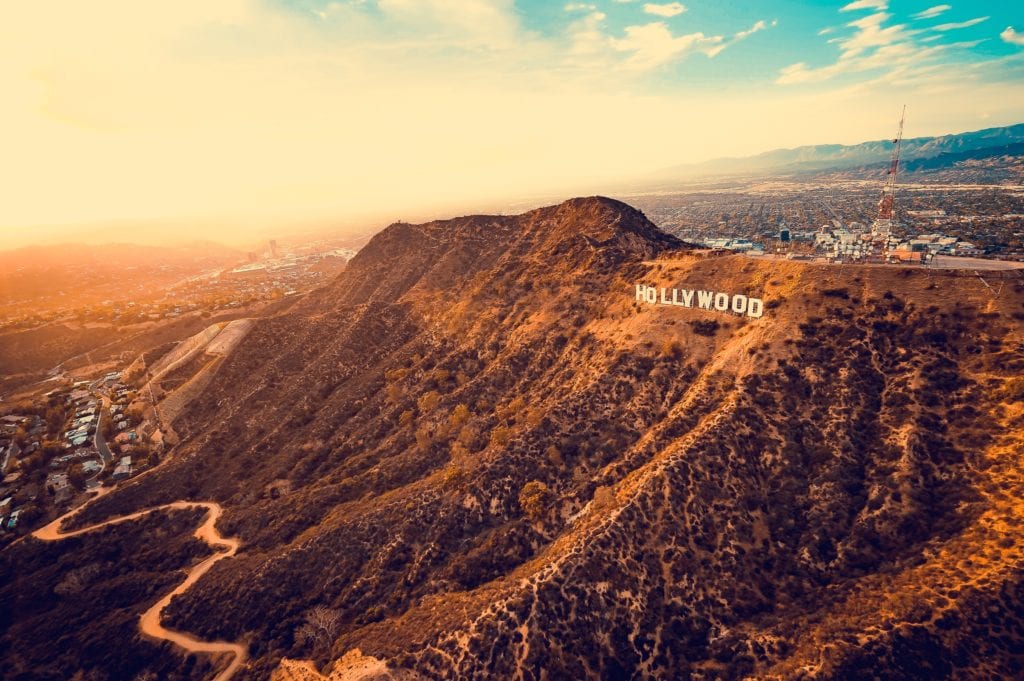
474,454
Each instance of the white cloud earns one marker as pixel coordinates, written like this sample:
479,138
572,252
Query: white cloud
740,35
653,45
588,42
826,30
579,7
758,26
889,53
669,9
960,24
933,11
872,45
865,4
1012,37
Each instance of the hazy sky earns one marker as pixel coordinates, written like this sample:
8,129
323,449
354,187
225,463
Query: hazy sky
204,118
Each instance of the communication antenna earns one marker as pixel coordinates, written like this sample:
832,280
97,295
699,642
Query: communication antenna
887,204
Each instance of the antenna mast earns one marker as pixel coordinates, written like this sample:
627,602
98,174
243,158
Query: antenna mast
887,204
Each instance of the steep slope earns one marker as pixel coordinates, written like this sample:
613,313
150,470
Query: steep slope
488,460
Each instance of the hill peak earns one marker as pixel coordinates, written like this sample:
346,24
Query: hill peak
582,234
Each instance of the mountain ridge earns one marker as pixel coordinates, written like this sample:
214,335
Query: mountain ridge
821,157
490,460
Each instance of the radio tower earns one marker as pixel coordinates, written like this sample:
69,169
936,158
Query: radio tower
882,228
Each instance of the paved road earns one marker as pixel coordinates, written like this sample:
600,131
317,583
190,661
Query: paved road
941,262
100,442
7,457
149,622
951,262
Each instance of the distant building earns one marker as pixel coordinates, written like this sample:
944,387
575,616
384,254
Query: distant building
123,469
57,481
904,254
965,248
12,422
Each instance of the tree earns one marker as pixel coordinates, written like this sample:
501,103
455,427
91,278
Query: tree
135,414
428,401
32,463
424,439
52,448
405,420
55,419
554,455
76,476
108,428
320,627
500,436
534,416
534,499
459,416
453,476
439,376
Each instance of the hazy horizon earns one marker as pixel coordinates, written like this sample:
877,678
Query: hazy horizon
239,120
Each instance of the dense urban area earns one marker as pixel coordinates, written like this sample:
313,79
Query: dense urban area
200,283
71,424
984,221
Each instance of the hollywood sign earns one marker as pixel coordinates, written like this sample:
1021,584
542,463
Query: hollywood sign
704,300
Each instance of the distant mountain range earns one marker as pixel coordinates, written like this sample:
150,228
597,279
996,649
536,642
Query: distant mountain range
945,148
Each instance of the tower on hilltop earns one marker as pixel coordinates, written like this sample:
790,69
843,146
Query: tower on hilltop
882,227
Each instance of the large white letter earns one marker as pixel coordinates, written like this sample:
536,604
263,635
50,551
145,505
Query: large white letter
755,307
687,297
739,304
704,299
721,302
641,292
652,295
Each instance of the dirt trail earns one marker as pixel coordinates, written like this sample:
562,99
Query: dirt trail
149,622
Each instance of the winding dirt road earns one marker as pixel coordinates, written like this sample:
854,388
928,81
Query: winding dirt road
149,622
